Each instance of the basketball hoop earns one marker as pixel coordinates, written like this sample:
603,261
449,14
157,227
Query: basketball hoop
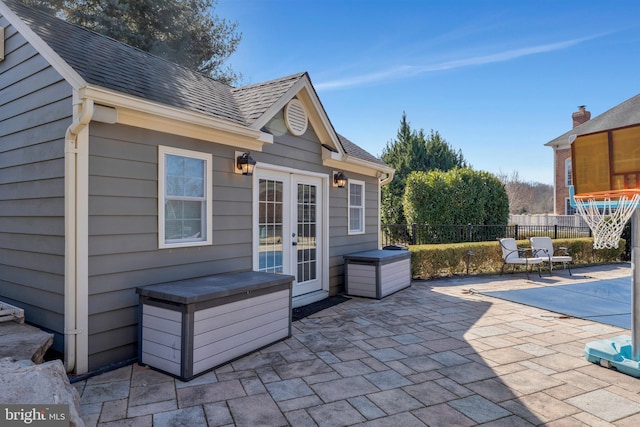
606,213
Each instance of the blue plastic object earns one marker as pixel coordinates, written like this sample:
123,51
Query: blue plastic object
599,204
613,353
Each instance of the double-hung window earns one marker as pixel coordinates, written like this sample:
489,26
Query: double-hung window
356,207
184,202
567,173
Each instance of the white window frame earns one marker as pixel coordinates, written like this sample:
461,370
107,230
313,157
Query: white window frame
567,172
207,238
349,206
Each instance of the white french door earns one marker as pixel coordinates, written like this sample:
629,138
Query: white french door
290,227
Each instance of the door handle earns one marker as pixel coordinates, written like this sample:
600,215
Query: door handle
294,243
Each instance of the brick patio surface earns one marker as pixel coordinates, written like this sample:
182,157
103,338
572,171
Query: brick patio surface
435,354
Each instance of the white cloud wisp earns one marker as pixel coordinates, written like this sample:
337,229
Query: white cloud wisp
406,71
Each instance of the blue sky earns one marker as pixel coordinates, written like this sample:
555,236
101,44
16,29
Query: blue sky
496,79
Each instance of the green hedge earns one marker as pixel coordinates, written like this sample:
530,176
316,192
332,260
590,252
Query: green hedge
430,261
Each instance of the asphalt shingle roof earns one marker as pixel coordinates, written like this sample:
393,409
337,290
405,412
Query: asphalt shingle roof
254,100
105,62
624,114
354,150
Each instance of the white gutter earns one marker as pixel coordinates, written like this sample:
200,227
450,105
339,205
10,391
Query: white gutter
388,178
75,327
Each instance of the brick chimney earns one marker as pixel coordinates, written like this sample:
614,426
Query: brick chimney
580,116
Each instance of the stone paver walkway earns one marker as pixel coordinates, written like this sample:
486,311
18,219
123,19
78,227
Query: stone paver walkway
435,354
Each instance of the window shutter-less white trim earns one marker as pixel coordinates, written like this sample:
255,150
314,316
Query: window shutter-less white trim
355,212
206,237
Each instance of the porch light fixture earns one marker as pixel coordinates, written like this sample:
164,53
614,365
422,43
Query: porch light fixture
245,163
339,179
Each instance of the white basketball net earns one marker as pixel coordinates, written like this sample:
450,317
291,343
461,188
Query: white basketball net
607,218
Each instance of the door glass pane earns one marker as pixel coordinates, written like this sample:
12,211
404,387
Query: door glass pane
270,226
307,245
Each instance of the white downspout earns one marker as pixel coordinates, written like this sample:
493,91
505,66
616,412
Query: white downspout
83,111
382,182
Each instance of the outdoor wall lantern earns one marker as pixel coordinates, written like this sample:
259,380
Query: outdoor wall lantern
339,179
245,163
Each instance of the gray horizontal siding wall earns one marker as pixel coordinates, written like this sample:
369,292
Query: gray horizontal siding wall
123,225
342,242
35,110
123,231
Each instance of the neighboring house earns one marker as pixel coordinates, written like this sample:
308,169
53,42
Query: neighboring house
118,170
562,165
626,114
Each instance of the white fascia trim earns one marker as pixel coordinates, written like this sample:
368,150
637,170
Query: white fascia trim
562,143
353,164
60,65
279,105
318,118
319,121
141,112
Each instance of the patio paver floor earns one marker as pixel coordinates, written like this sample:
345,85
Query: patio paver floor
433,354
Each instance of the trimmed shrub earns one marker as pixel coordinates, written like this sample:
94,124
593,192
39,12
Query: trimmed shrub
458,196
432,261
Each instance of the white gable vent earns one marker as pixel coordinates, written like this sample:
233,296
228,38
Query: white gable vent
295,117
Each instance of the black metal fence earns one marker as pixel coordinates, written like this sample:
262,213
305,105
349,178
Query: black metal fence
425,234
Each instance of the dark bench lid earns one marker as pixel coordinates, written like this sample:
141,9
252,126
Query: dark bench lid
378,255
205,288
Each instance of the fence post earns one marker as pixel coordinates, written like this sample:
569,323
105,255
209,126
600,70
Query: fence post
555,231
516,230
414,233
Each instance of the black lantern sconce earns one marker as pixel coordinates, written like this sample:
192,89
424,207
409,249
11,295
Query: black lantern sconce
245,164
339,179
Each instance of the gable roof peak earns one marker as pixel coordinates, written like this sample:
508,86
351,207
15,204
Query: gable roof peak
256,99
627,113
293,77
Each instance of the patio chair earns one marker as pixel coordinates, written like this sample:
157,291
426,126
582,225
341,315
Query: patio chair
512,254
543,247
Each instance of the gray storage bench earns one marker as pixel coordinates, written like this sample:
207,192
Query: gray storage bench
190,326
377,273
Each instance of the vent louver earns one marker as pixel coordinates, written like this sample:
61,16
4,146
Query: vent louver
295,117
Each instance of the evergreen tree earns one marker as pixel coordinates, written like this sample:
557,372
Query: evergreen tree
185,32
440,155
413,151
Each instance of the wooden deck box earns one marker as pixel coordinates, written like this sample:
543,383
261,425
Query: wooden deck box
191,326
377,273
